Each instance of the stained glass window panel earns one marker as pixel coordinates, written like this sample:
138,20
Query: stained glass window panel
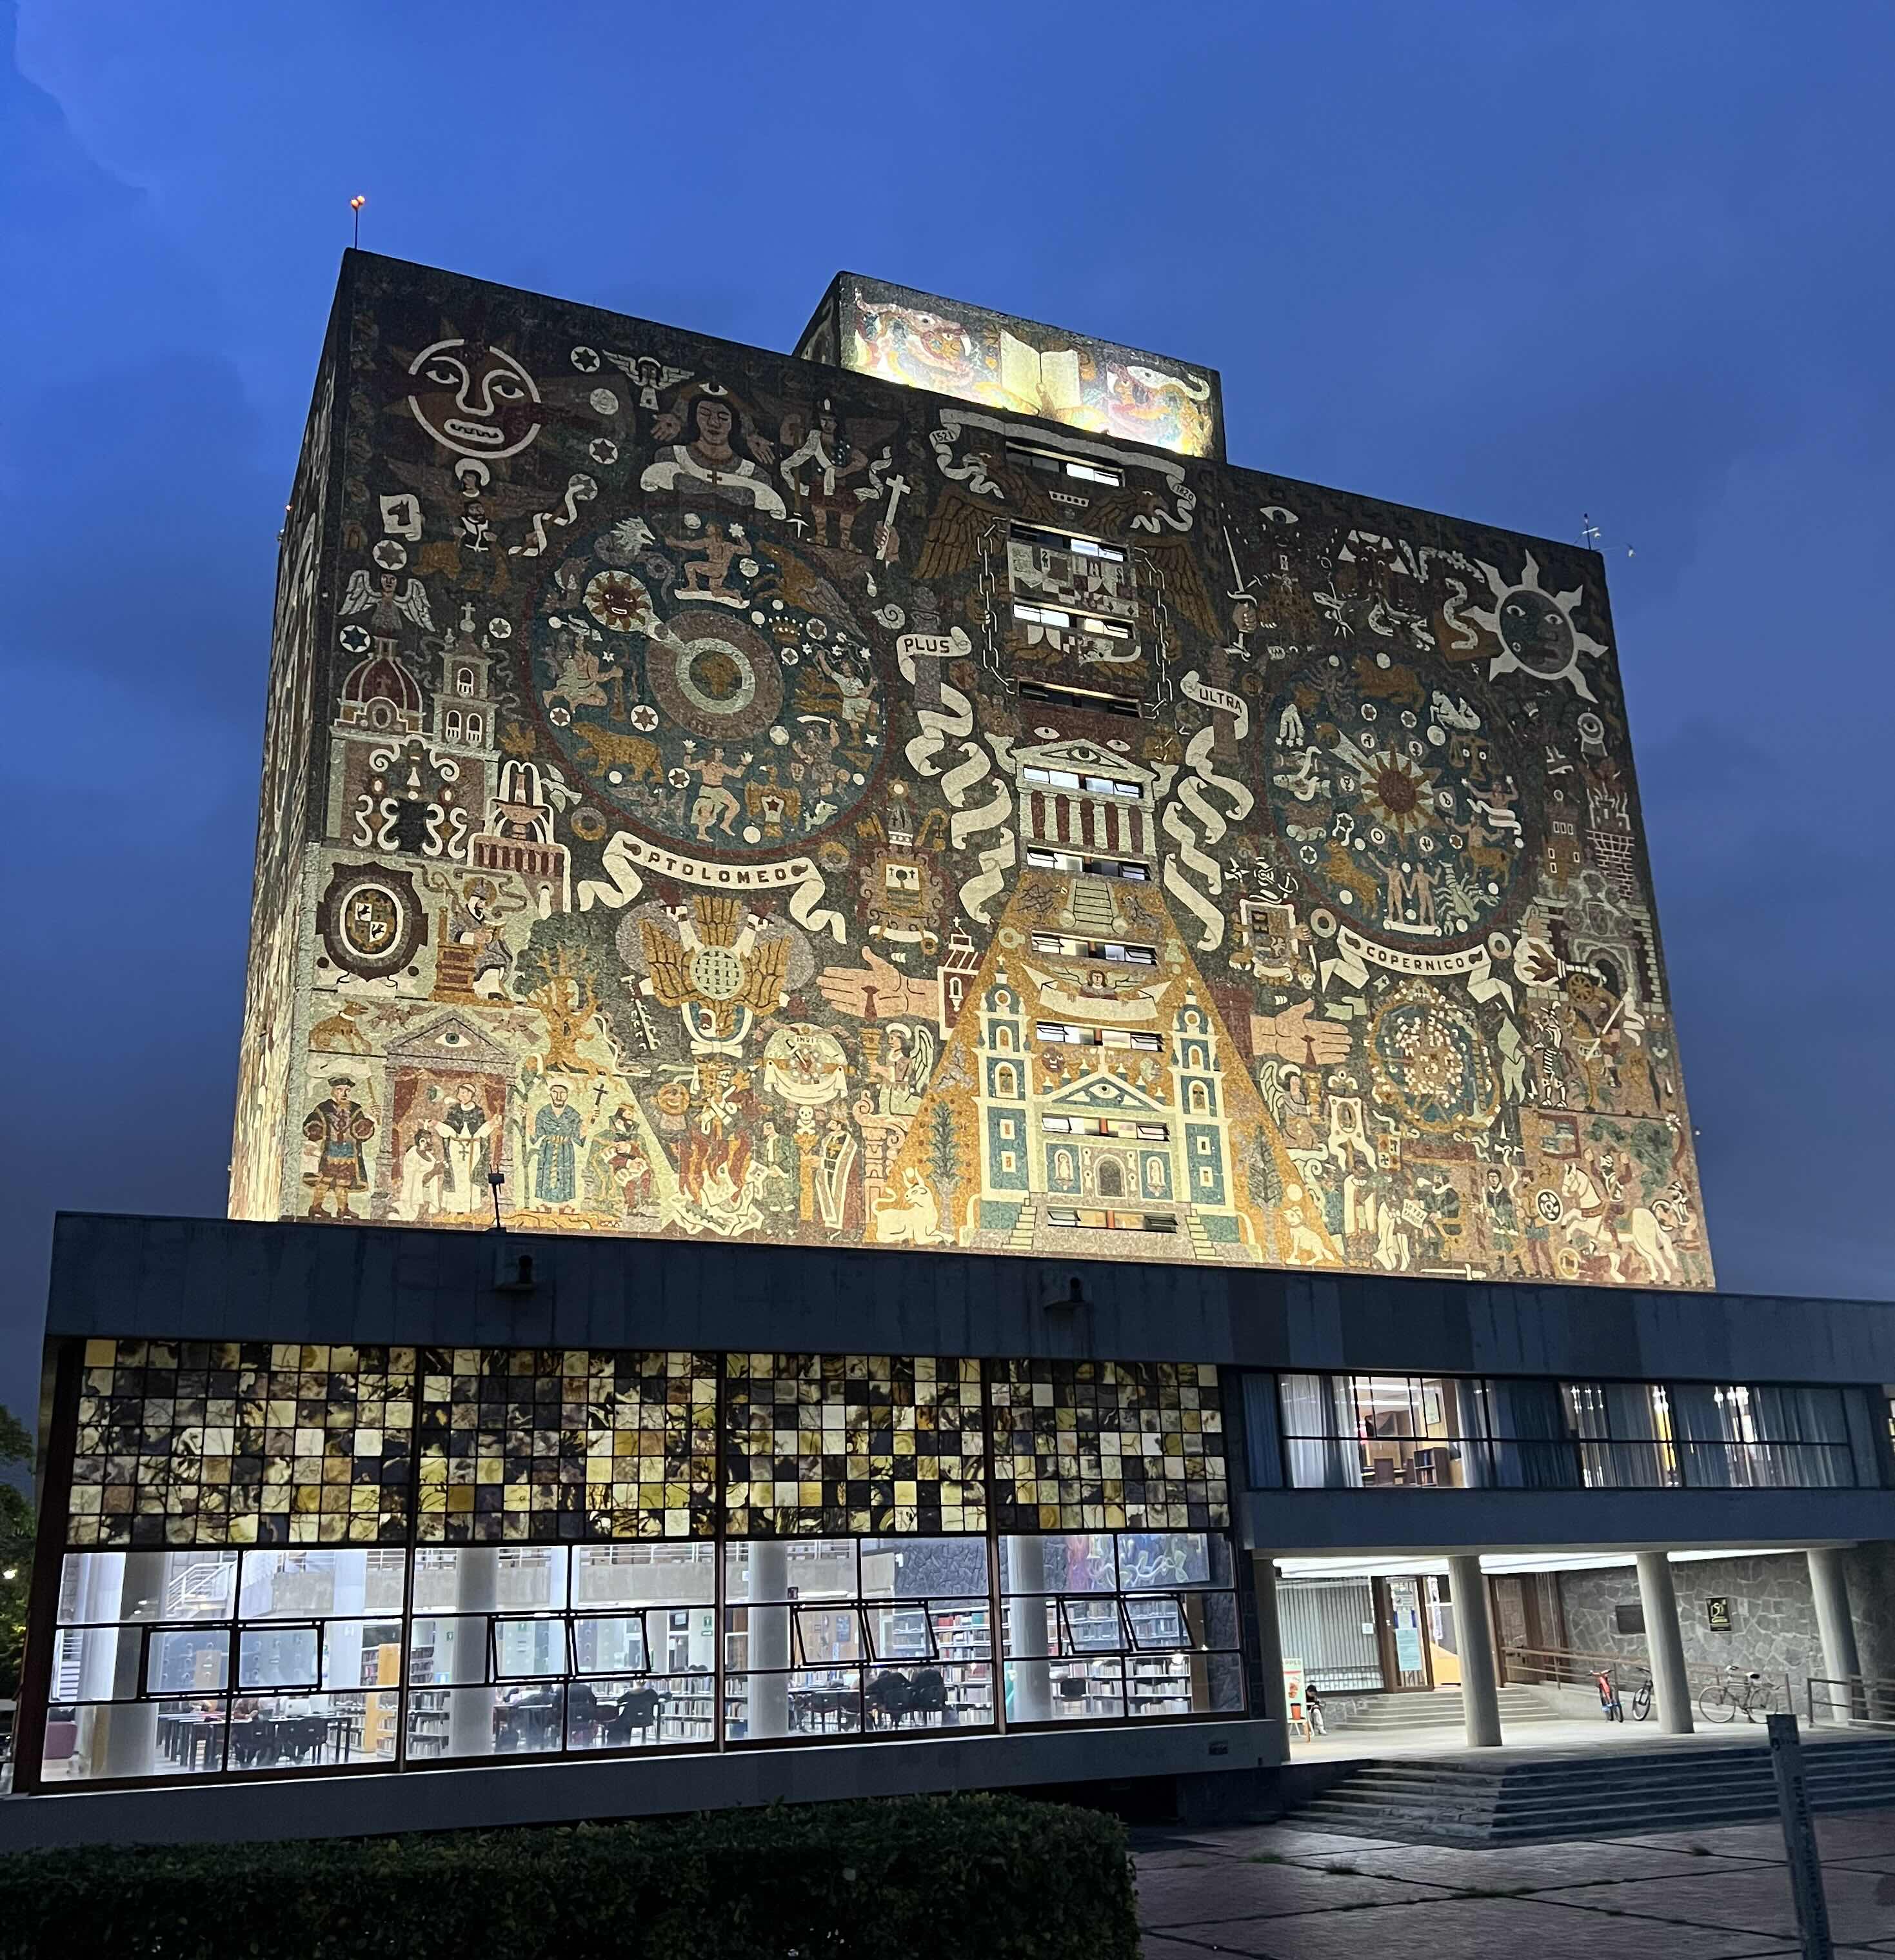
828,1445
241,1443
1104,1446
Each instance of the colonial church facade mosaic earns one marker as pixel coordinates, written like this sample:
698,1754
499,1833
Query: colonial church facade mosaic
819,799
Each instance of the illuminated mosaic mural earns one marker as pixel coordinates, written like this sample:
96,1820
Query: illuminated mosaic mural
528,1444
919,340
1102,1446
830,1445
209,1444
814,800
242,1443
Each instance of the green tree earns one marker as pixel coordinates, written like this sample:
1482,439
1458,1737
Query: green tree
944,1152
16,1553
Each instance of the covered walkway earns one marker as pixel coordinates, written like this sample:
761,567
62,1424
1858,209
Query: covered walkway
1422,1651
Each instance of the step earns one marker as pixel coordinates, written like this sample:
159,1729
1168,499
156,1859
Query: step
1609,1795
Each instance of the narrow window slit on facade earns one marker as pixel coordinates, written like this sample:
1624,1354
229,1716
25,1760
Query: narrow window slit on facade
1073,1035
1071,1220
1069,947
1105,1126
1040,858
1095,701
1061,620
1072,779
1067,541
1048,464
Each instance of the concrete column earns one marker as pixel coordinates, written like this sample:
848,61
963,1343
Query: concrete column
767,1709
1828,1585
1027,1644
1671,1684
1474,1636
470,1709
1269,1639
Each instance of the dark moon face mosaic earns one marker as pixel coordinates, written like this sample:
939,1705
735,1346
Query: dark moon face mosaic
709,684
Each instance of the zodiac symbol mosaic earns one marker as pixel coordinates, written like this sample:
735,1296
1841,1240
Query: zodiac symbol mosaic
912,794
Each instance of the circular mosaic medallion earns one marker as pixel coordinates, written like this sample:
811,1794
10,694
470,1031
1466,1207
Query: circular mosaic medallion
371,921
710,686
715,675
1432,1062
1403,804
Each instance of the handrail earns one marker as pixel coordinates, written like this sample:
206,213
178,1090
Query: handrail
1863,1698
1568,1667
1572,1667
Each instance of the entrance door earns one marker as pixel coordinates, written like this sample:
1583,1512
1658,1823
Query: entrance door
1513,1629
1404,1636
1442,1656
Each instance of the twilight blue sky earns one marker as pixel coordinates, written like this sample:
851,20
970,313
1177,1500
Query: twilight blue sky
1516,261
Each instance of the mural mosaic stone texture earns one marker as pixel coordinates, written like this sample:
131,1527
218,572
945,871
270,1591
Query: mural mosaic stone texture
727,794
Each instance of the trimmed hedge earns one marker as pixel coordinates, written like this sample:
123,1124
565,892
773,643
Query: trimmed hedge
925,1877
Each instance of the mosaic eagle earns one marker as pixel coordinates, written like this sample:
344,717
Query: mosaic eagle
715,963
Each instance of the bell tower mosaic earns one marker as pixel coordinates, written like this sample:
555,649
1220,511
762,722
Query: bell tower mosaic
915,793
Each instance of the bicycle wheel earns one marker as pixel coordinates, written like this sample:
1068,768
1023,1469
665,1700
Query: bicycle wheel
1641,1701
1761,1699
1714,1704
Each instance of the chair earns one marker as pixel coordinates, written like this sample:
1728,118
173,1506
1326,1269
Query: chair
642,1710
890,1696
927,1693
250,1743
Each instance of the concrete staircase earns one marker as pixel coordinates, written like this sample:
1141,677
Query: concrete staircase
1394,1717
1605,1792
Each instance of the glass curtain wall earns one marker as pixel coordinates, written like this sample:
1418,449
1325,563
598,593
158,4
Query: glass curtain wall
1345,1432
181,1663
1119,1626
353,1559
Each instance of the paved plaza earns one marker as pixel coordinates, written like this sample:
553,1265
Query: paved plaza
1277,1893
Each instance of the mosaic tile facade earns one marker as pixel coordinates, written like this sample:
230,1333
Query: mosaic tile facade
242,1443
540,1446
208,1444
1101,1445
832,1445
735,796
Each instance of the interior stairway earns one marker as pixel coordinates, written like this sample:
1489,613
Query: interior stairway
1604,1792
1393,1715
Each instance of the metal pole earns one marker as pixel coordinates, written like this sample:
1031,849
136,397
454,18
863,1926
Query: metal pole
1799,1838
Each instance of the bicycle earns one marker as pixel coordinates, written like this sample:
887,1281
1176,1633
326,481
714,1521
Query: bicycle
1607,1684
1749,1694
1639,1706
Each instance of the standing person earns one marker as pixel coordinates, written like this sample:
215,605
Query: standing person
466,1134
339,1126
557,1133
419,1197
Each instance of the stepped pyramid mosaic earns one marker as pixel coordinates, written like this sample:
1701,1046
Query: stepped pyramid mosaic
916,793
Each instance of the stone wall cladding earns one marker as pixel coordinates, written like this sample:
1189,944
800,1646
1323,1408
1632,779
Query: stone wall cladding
1772,1615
